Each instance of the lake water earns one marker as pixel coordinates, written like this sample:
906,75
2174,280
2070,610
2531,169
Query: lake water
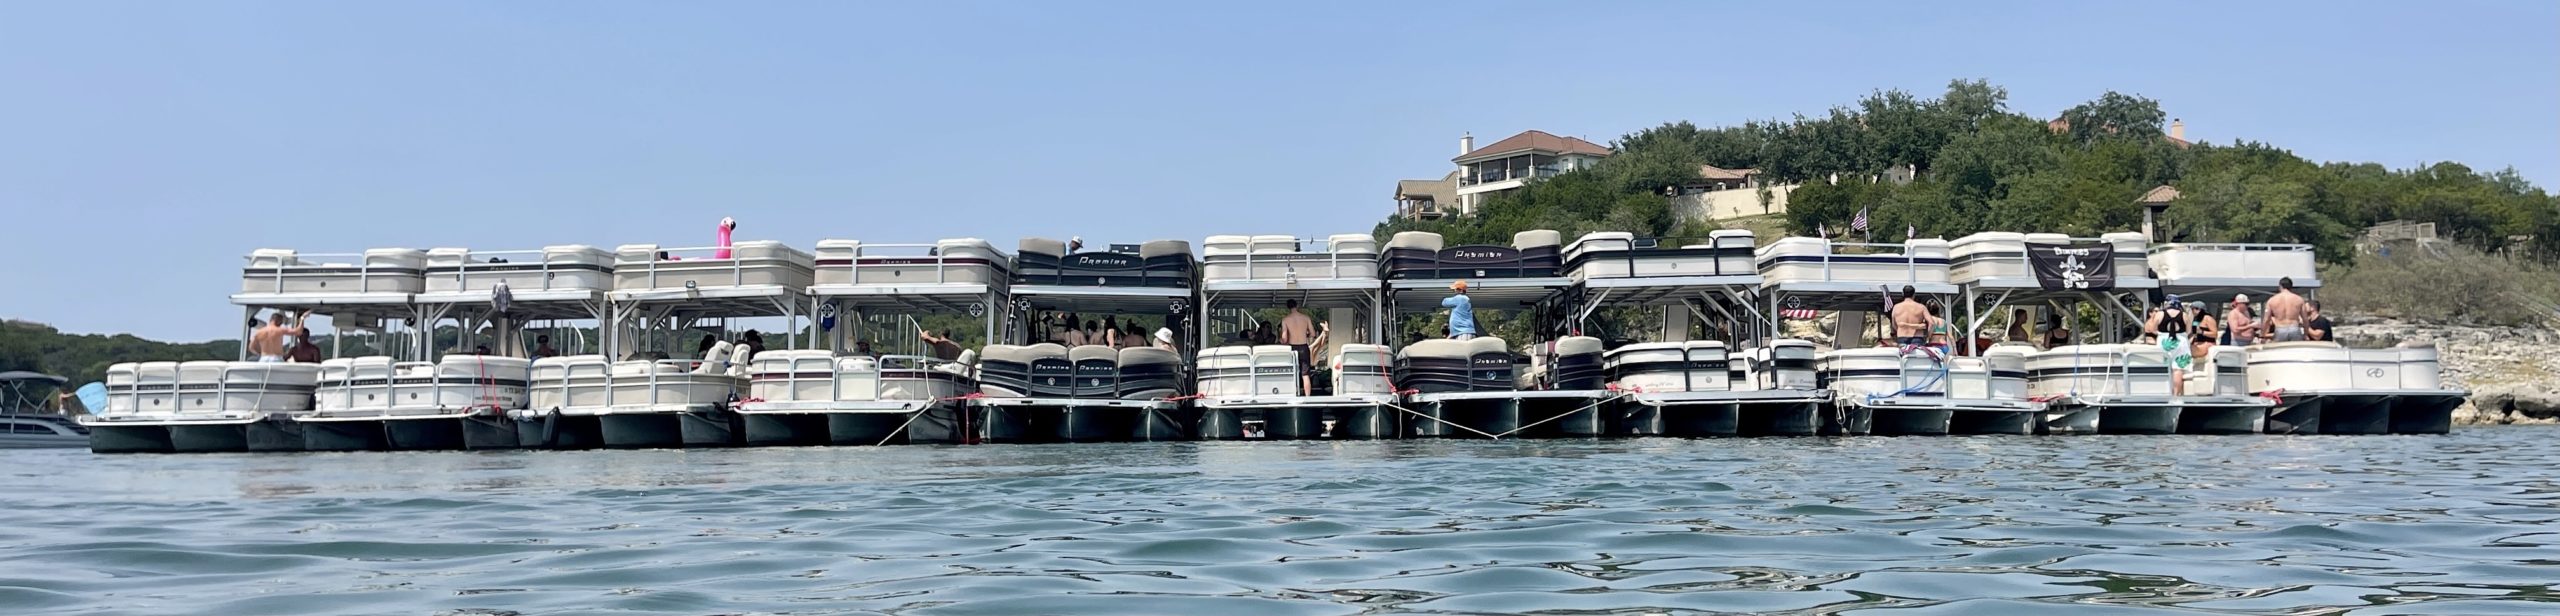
2461,524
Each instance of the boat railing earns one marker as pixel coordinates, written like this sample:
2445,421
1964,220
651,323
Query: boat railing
473,262
737,267
1629,245
479,386
221,391
1910,263
363,267
905,255
880,366
2254,260
569,374
1332,259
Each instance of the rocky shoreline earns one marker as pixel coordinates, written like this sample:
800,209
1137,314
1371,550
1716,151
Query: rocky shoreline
2513,372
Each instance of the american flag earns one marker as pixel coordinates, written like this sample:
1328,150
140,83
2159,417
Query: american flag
1859,223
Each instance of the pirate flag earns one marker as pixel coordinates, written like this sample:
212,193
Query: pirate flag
2077,266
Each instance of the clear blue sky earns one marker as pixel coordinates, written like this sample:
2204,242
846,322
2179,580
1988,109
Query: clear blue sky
145,146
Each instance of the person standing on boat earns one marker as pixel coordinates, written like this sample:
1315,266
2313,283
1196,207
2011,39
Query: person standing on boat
2239,325
1462,312
268,342
2018,330
943,347
304,351
2208,331
2285,314
1299,332
1910,319
721,237
2319,327
542,347
2171,324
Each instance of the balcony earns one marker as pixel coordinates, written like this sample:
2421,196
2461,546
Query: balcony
1488,176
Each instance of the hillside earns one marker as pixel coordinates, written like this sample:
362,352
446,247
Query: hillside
85,357
1975,164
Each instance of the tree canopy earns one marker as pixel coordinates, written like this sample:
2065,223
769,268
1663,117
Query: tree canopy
1977,165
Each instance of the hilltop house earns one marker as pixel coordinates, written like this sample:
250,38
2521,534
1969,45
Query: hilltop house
1504,165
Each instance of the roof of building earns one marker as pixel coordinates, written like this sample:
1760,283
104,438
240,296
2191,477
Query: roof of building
1713,172
1443,190
1533,141
2163,194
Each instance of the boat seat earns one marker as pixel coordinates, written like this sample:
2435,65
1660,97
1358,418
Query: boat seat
1417,240
1362,369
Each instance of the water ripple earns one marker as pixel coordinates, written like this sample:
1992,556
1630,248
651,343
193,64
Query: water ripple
2462,524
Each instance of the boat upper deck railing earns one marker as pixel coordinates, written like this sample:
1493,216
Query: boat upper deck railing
373,271
1837,257
931,263
1325,261
2234,261
700,266
536,266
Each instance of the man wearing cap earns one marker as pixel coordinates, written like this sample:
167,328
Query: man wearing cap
2239,325
1462,312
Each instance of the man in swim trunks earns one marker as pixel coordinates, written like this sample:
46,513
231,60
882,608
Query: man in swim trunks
2286,312
268,341
1910,319
1299,332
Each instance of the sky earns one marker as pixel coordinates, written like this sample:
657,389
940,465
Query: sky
145,147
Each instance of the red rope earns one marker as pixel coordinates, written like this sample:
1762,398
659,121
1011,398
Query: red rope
2273,395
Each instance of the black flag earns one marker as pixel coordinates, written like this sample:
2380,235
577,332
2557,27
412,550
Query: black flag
2078,266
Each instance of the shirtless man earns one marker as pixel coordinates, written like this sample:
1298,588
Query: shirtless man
2285,314
1299,332
268,341
1910,319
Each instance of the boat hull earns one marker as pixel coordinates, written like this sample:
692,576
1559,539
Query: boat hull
1977,422
217,438
1564,417
128,439
1368,423
641,430
859,428
2300,415
1847,420
1466,417
1293,422
2425,413
486,432
1798,418
2138,419
2222,420
1219,424
440,434
355,435
787,429
1910,421
2356,414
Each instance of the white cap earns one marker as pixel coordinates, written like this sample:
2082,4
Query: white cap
2240,299
1164,335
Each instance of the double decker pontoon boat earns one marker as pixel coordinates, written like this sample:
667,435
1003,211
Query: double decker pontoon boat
1241,384
2318,387
1470,387
1890,389
1090,392
2111,387
650,398
839,396
1676,386
453,399
248,405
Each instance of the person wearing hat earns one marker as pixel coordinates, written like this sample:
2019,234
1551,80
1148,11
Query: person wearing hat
1462,312
2170,325
2239,324
1164,339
